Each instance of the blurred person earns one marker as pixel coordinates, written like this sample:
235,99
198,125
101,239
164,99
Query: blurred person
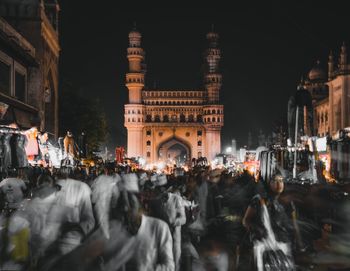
154,249
275,226
14,224
62,214
68,143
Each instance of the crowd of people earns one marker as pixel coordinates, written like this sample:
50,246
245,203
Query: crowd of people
117,218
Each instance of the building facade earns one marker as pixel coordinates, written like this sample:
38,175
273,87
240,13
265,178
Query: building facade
29,54
173,125
330,93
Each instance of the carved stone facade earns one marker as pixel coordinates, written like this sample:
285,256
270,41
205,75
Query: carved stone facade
166,124
331,94
36,22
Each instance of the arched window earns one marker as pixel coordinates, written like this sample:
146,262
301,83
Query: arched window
128,119
157,118
165,118
133,119
213,119
199,143
199,118
190,118
148,154
148,143
182,118
148,118
213,111
157,103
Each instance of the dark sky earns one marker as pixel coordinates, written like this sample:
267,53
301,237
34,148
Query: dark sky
265,48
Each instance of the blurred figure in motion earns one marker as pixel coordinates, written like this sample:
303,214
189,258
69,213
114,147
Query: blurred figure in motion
154,244
14,224
270,226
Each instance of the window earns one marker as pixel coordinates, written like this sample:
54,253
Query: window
148,154
5,78
190,118
199,132
166,118
199,143
13,78
199,118
148,132
182,118
157,118
148,143
148,118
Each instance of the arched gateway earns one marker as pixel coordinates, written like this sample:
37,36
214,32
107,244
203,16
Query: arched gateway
174,150
173,124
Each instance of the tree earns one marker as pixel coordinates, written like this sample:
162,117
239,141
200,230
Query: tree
80,113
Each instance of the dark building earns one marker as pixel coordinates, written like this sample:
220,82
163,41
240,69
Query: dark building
29,54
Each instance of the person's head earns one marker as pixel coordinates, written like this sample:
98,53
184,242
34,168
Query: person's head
130,209
44,137
44,187
64,172
276,184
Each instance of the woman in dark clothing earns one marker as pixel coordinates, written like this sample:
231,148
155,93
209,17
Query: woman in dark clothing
270,225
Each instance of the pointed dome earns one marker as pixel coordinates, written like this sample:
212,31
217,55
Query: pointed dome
317,73
135,38
134,34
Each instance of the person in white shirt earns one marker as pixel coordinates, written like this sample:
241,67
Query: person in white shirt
176,217
154,249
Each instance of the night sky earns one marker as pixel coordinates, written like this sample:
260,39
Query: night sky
265,51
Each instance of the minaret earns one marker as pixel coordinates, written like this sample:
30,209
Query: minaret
330,66
343,58
135,76
213,111
134,111
213,78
